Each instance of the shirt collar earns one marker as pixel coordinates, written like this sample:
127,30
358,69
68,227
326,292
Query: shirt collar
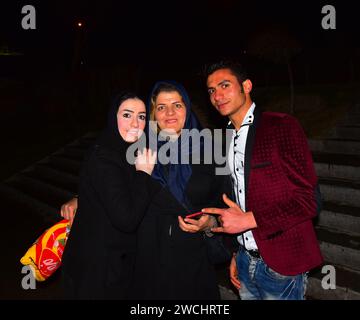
248,119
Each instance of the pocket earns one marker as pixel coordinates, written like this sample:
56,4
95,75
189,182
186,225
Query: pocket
261,165
275,275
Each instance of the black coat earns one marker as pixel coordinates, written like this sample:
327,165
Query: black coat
99,256
170,263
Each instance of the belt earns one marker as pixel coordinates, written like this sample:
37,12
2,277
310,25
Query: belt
253,253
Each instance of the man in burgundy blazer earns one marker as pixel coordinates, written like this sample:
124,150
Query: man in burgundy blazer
274,192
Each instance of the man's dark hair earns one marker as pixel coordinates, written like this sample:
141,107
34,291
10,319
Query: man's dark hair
237,69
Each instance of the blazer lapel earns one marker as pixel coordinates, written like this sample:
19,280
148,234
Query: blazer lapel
249,147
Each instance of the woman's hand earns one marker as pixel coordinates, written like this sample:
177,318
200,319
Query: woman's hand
68,210
145,161
234,273
192,225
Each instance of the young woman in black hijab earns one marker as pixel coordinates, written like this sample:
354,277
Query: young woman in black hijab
99,256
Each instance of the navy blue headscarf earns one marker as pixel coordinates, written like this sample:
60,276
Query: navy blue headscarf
178,174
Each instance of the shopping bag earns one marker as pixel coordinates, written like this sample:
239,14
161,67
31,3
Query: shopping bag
44,256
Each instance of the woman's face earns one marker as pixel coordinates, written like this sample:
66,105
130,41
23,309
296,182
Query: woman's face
131,119
170,112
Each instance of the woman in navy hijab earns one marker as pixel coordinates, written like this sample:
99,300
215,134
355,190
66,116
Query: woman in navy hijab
170,262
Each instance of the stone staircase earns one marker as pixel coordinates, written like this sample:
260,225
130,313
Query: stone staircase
43,187
337,162
46,185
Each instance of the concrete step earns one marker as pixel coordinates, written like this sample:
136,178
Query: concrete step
39,190
329,170
54,177
29,202
227,293
343,191
347,132
61,163
341,146
338,217
82,143
337,158
338,248
332,165
352,118
92,135
71,152
347,282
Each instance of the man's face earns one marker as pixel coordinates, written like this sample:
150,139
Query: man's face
226,93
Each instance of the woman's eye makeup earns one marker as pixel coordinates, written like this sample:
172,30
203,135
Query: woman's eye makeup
159,108
126,115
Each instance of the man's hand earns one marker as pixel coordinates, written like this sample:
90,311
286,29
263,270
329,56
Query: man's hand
232,219
192,225
234,273
68,210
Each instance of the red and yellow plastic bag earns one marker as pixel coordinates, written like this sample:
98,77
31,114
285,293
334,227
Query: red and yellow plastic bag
44,256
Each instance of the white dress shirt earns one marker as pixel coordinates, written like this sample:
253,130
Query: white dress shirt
236,163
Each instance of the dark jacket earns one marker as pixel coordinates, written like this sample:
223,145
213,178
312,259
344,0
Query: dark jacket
99,255
173,264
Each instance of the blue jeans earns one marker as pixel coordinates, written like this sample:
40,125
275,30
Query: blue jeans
260,282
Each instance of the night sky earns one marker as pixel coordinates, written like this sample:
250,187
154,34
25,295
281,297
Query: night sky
182,31
60,79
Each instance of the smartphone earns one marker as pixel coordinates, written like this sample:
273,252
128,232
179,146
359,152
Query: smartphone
195,215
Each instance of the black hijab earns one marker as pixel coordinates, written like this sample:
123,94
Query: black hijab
110,136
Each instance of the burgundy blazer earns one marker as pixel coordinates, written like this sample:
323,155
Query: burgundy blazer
280,180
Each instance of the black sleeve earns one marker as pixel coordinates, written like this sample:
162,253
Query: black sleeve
222,184
124,194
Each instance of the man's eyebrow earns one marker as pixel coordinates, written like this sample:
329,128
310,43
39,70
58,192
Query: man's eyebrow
220,83
223,82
